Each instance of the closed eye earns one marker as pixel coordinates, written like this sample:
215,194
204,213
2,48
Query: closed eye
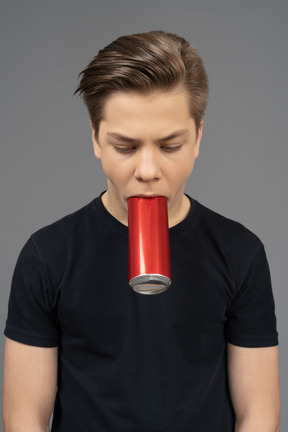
130,149
171,149
125,150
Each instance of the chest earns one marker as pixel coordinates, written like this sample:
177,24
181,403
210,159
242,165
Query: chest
98,307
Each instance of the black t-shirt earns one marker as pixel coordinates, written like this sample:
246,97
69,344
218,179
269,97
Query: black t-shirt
131,362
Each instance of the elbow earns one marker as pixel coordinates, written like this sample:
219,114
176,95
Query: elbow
276,420
277,424
9,426
258,423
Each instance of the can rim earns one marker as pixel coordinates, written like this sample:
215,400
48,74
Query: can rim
151,277
155,283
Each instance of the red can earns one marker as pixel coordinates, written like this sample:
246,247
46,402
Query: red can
149,248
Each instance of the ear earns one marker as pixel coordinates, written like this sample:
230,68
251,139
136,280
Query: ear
96,145
198,139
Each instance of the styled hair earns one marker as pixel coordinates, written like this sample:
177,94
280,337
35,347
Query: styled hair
142,63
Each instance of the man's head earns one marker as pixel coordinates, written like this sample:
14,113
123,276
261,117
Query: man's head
143,63
147,144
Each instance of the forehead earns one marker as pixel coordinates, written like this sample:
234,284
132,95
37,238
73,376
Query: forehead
157,108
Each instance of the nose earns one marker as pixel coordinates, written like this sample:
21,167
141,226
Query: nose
147,166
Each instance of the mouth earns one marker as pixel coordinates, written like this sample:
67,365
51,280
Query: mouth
146,196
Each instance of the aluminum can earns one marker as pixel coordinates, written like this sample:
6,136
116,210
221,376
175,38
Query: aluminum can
149,247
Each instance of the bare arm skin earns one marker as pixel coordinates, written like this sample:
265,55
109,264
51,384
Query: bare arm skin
29,387
254,388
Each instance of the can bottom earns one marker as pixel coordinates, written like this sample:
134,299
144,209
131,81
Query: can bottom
150,284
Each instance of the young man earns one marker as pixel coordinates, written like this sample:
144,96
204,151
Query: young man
202,356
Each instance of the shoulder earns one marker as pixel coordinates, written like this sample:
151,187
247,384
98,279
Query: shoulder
229,240
228,232
52,249
65,230
68,222
53,244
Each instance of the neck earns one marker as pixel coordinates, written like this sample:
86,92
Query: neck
181,212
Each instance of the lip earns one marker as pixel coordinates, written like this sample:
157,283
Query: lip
146,196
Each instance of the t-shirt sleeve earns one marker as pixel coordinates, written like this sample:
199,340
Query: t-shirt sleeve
251,320
32,316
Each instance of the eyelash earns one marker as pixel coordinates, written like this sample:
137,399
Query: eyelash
167,149
124,150
171,149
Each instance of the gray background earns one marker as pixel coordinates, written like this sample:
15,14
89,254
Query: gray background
47,163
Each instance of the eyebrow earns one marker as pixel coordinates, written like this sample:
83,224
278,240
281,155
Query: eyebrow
171,136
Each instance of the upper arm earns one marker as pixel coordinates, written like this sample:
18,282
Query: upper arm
254,386
29,386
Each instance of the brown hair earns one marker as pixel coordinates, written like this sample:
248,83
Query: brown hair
144,62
